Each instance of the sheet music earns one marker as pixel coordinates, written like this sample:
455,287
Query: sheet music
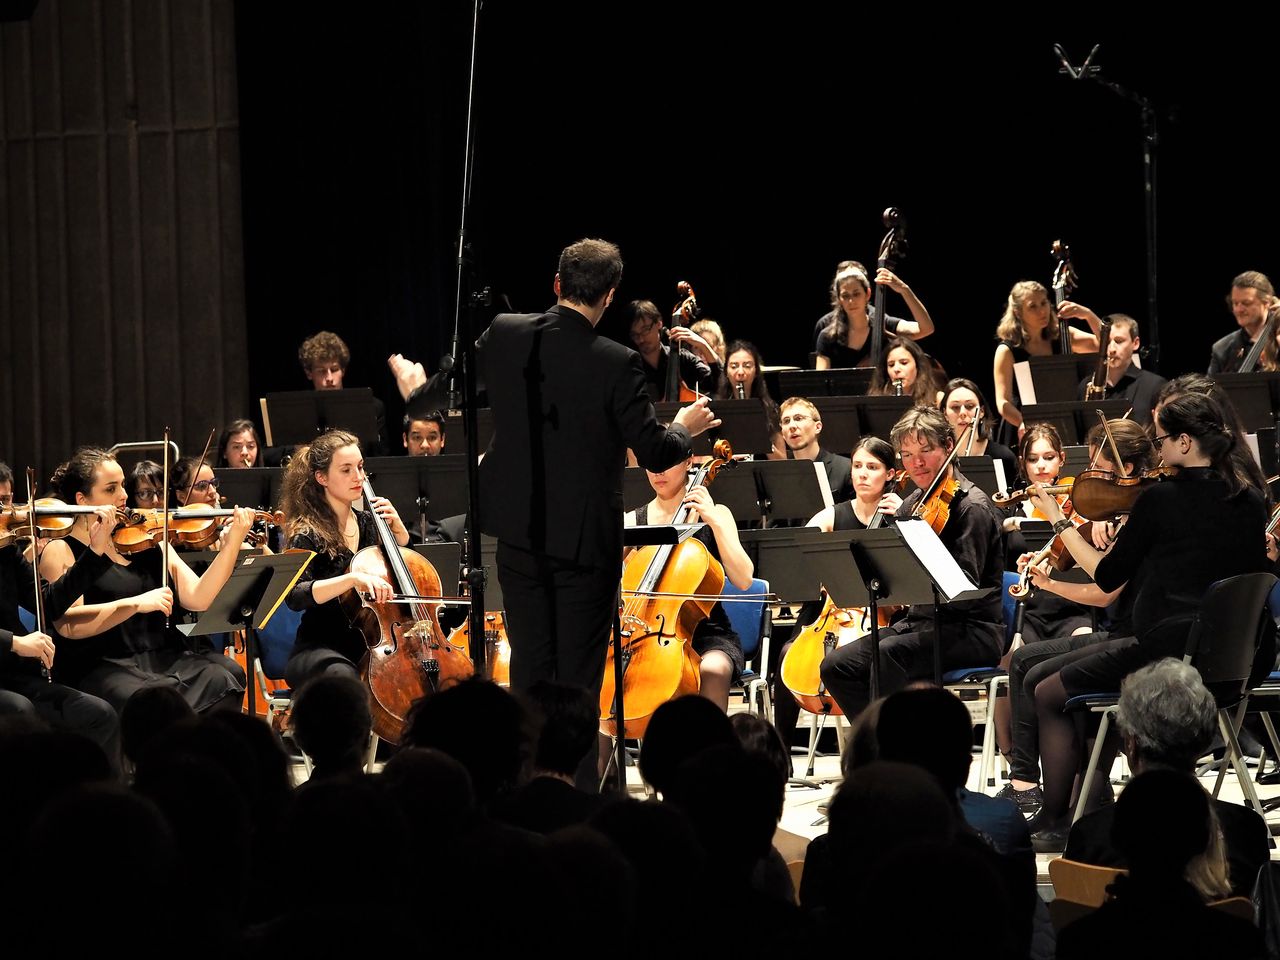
934,557
1022,376
823,484
1002,482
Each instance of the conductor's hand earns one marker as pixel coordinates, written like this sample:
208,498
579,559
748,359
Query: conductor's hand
697,417
409,375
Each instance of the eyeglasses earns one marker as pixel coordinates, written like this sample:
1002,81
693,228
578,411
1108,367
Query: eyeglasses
200,486
146,495
1159,441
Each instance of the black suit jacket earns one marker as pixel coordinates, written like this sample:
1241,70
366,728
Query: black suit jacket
566,403
1227,353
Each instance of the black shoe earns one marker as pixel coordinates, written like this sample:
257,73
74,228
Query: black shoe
1029,801
1050,839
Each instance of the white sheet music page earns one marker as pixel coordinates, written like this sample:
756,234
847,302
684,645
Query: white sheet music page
935,558
823,484
1022,376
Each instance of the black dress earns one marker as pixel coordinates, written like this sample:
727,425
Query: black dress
326,642
715,632
141,652
1007,433
840,353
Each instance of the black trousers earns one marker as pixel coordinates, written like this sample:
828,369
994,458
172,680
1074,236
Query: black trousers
64,708
906,654
559,616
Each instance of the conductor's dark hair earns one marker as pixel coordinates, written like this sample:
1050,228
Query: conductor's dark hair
588,270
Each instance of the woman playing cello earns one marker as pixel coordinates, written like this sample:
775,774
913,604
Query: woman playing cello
321,484
714,639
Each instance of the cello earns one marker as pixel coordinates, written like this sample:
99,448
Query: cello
685,312
408,657
668,590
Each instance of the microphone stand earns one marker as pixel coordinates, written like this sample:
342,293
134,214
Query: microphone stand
1150,140
463,388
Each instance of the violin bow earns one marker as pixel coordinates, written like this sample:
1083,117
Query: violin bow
35,562
196,472
1111,440
164,565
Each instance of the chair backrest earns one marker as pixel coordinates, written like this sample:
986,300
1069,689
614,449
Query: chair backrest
275,641
1239,907
1081,882
747,619
1008,605
1228,628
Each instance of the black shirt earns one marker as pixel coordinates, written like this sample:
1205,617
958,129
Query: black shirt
839,473
694,373
1227,353
1182,535
1138,386
838,352
325,624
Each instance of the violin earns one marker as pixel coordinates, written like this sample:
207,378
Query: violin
497,647
53,520
684,313
193,527
668,590
892,249
1064,283
1104,495
934,507
409,657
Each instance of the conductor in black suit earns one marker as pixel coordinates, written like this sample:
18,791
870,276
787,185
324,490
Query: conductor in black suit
567,403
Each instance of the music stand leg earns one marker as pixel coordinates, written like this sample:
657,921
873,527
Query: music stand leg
251,672
873,589
619,718
937,637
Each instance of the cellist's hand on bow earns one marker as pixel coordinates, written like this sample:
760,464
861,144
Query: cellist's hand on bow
370,586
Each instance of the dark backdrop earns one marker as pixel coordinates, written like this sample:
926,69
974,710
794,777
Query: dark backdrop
747,153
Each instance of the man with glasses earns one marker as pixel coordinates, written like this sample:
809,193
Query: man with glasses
972,630
1251,297
699,363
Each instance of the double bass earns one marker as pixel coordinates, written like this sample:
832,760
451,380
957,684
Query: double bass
409,657
1064,283
685,313
892,249
667,591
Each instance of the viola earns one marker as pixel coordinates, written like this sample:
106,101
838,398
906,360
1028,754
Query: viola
1104,495
685,313
668,590
409,657
934,507
497,647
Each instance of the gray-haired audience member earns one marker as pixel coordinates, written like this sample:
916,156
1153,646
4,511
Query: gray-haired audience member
1167,720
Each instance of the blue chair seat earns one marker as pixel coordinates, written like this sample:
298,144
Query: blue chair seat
1087,701
970,675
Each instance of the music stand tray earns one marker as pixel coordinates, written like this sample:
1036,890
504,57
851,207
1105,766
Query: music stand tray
776,557
774,489
257,487
1073,419
1254,395
743,424
833,382
299,416
421,487
987,473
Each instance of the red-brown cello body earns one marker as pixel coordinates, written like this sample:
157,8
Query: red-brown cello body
409,657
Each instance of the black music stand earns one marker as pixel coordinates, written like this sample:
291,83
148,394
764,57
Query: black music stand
774,554
877,415
656,535
1254,395
257,487
247,601
1075,459
774,489
742,422
987,473
421,486
1057,378
455,428
299,416
1075,418
833,382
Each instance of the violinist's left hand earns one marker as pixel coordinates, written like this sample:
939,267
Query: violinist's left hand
1045,502
100,529
409,375
238,529
387,511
